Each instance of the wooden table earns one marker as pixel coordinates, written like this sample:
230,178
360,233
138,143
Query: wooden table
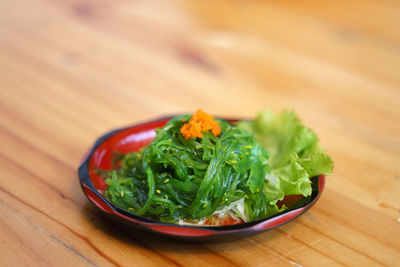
70,70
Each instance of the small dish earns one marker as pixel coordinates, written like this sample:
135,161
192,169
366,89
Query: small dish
134,137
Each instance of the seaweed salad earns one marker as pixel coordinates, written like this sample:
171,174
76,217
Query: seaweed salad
206,171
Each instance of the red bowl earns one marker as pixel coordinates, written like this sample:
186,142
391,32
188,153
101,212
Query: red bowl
132,138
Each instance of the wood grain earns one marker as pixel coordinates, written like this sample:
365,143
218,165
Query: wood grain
72,70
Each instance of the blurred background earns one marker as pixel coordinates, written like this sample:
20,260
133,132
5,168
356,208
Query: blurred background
70,70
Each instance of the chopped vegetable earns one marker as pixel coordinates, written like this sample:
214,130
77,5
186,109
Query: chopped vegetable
201,170
295,156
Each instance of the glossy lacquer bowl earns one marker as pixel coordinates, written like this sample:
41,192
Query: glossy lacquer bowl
132,138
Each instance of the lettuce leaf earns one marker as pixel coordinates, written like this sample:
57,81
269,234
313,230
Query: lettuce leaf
295,156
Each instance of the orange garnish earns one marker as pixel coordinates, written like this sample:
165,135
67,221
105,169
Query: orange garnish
199,123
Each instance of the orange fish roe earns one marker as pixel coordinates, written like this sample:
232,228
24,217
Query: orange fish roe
199,123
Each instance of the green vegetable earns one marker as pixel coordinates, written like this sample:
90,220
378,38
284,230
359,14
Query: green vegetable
175,179
294,153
